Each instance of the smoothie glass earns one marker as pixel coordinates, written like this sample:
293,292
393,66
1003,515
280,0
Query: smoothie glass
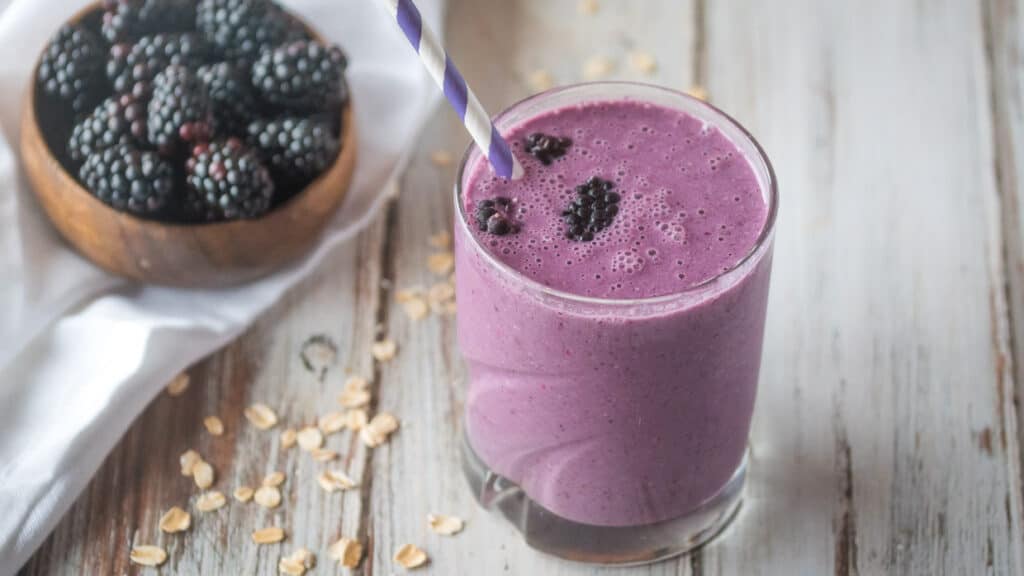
611,431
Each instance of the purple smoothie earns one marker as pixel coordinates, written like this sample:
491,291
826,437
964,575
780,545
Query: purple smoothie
614,380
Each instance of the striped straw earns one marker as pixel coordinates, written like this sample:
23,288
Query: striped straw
462,99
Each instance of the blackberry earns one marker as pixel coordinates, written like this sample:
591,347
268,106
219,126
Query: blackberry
296,149
546,148
241,29
129,19
494,216
302,75
129,179
134,66
118,120
71,67
227,180
180,110
593,209
234,103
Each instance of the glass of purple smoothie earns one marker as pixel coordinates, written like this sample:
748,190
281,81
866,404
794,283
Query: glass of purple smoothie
611,314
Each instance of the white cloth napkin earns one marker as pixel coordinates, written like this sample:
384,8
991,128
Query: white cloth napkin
82,352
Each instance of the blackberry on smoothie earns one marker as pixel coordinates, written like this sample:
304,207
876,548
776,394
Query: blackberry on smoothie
611,313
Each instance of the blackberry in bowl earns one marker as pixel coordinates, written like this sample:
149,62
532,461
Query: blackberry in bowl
136,139
303,75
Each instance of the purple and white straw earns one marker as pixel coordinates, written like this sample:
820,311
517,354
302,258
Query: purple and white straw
448,78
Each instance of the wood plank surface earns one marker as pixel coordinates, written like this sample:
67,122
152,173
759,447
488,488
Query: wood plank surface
886,437
1005,27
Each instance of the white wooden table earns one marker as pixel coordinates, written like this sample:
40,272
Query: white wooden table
887,436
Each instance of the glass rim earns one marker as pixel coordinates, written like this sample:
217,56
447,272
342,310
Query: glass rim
763,238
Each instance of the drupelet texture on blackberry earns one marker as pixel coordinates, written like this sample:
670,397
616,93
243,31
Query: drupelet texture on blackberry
129,19
546,148
234,103
593,209
180,110
129,179
241,29
227,181
496,216
303,75
130,66
71,67
297,149
118,120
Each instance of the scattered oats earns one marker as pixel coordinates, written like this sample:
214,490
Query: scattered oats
699,92
441,293
354,398
188,462
331,422
175,520
441,158
202,473
643,62
305,556
410,557
376,432
356,419
332,481
288,438
323,455
540,80
384,350
371,438
243,494
416,309
288,566
445,525
357,383
441,263
347,551
261,416
268,535
356,392
310,438
273,479
441,240
148,555
588,7
597,67
385,423
403,296
297,563
214,425
178,386
268,496
212,500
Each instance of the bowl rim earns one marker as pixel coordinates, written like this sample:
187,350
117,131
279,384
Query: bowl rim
345,140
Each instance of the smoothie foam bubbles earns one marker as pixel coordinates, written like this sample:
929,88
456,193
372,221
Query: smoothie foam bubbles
613,336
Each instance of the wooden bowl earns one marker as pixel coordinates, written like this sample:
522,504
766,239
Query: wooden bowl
186,255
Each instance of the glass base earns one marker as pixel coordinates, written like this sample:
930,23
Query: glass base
608,545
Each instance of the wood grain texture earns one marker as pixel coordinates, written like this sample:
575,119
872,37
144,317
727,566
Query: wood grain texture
141,478
886,438
1005,30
